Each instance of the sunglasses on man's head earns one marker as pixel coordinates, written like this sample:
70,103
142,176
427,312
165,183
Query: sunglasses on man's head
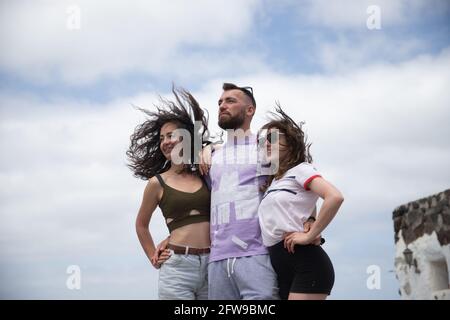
249,92
248,89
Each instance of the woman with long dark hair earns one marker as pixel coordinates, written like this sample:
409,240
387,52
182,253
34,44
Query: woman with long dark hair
162,152
303,268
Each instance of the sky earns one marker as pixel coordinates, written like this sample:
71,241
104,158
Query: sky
370,79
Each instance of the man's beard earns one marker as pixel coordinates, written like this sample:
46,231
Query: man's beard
232,122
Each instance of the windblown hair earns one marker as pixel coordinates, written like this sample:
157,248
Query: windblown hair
144,154
297,144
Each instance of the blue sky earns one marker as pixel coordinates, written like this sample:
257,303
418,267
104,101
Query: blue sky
375,102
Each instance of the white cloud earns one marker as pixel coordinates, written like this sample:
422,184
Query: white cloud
65,171
358,51
387,118
380,134
379,129
115,38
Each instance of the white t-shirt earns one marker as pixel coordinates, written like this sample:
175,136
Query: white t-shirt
287,203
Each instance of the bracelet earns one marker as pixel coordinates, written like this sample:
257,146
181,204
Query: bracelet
311,218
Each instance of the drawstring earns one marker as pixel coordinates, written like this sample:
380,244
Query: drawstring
232,266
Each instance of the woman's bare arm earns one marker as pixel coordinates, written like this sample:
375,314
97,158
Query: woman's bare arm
149,203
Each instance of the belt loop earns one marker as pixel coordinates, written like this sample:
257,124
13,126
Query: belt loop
186,251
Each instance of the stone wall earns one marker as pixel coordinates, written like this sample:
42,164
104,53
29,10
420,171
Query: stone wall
423,217
422,227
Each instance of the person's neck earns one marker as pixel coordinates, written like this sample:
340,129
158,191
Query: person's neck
175,168
239,134
246,128
243,131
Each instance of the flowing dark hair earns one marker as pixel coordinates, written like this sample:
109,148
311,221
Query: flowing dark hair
296,139
144,154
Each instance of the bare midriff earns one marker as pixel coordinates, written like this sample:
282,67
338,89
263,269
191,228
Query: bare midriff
194,235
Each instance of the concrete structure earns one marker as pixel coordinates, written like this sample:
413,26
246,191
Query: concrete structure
422,237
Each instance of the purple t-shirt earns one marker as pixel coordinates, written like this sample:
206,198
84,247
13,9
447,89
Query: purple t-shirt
235,197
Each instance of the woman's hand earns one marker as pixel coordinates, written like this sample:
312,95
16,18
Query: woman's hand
159,257
161,254
293,238
307,226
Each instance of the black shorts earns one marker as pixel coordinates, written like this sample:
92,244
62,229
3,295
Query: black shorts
307,270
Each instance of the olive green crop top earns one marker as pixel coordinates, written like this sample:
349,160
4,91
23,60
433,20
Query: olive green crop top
182,208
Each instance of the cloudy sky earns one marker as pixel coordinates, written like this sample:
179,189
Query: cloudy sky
374,95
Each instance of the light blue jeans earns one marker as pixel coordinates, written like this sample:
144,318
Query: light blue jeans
184,277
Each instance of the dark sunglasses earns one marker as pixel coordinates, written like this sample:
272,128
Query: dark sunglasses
248,89
271,138
249,92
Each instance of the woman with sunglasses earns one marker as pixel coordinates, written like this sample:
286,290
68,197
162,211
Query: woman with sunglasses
175,185
304,270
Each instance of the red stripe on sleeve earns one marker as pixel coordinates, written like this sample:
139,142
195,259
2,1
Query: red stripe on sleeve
307,182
